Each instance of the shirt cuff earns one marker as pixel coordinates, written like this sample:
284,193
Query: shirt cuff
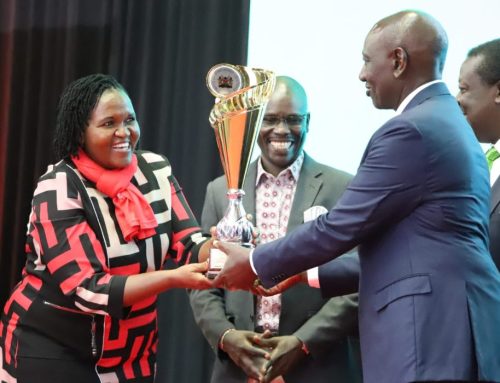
313,277
250,258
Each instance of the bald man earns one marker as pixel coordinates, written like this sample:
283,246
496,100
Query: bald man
429,293
315,338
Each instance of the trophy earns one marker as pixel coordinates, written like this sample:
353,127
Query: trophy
241,95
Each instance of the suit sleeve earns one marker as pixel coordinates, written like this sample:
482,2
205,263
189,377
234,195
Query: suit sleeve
340,276
209,313
209,215
337,319
209,305
387,187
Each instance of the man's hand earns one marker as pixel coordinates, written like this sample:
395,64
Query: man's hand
286,352
249,357
237,274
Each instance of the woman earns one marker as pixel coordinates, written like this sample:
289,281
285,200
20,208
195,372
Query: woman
103,221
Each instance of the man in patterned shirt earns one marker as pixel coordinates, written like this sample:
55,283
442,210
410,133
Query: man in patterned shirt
284,188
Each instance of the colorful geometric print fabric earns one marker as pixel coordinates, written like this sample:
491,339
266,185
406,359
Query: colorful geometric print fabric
76,269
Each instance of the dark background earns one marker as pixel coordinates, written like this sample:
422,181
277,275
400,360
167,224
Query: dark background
160,50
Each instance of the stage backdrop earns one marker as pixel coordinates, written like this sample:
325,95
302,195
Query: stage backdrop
161,51
319,42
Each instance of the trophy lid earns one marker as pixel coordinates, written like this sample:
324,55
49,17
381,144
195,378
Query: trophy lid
224,79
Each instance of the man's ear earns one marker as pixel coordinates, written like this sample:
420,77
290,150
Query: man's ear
399,61
308,119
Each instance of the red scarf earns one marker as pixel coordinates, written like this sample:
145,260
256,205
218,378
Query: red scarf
134,215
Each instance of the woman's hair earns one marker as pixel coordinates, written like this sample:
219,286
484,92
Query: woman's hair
75,106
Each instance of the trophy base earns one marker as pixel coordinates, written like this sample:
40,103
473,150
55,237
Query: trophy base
216,262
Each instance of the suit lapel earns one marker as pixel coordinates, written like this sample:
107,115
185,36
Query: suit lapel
495,195
249,188
308,187
248,300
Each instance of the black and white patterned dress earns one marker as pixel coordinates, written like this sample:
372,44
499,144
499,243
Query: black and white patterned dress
68,306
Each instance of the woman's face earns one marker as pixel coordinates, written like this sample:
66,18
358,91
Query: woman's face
113,131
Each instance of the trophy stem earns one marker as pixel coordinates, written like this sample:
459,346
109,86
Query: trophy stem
234,226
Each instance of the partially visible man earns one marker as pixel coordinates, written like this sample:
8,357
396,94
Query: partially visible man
429,295
284,188
479,98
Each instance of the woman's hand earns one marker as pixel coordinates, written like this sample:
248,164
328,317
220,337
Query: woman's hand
190,276
141,286
204,252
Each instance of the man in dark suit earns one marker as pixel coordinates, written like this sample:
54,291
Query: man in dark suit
283,188
429,292
479,98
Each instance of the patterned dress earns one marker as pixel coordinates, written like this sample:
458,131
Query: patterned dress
68,306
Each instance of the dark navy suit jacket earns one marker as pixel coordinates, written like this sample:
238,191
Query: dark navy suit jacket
429,303
495,223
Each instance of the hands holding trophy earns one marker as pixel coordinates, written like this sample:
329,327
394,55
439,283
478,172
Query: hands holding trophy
241,95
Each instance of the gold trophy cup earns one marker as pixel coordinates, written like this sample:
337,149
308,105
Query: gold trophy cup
241,95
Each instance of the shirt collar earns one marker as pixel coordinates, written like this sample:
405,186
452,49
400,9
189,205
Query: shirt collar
294,169
497,146
412,95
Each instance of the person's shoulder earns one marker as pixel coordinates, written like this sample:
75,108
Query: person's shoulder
402,120
407,125
58,176
147,160
218,183
54,169
336,172
327,170
150,157
221,180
